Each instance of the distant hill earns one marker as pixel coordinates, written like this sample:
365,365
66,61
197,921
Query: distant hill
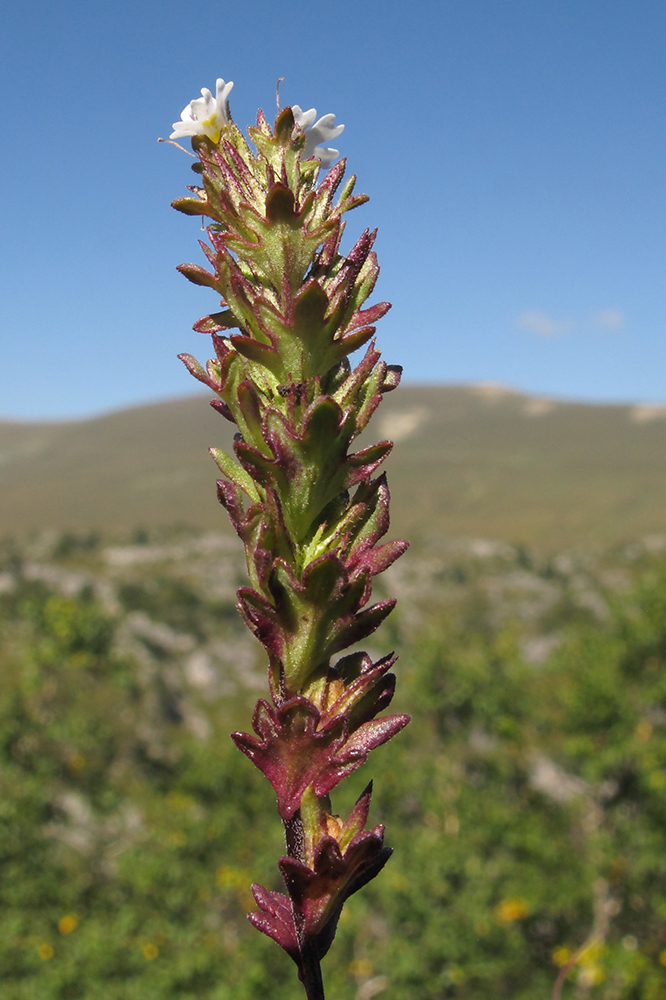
478,461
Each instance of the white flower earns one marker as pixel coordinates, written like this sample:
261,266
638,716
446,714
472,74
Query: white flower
317,132
205,116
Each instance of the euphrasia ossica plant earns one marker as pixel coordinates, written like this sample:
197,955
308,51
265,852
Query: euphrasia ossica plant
310,511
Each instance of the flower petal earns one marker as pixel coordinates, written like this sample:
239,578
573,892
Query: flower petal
326,128
222,91
206,115
326,155
304,119
317,133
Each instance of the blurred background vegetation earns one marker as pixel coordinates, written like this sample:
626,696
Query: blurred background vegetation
526,802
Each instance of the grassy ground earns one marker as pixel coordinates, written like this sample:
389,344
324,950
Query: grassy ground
526,802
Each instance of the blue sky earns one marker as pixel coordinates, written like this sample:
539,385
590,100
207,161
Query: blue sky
514,152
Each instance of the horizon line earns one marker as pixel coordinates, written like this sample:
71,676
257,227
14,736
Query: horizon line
483,387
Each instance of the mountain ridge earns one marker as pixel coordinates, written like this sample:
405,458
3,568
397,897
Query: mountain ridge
479,460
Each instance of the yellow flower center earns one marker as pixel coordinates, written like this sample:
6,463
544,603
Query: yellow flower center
212,127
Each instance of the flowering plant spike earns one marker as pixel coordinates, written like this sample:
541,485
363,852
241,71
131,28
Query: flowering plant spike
311,512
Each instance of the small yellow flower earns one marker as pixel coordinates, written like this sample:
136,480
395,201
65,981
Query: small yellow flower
562,956
225,875
150,952
662,958
590,955
512,909
68,923
361,968
235,878
76,763
45,951
591,975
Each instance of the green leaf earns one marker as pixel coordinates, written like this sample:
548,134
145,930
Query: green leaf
192,206
215,322
198,276
309,310
322,578
280,205
235,473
